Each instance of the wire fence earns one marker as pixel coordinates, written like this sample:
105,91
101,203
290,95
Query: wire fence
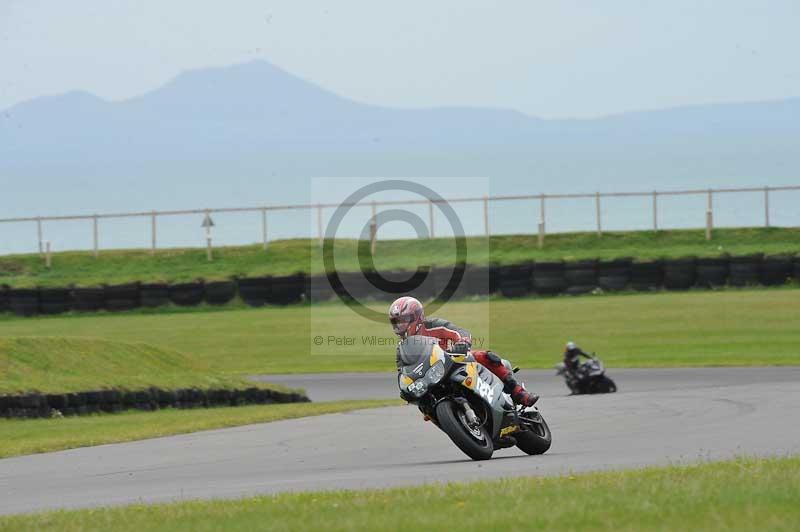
602,204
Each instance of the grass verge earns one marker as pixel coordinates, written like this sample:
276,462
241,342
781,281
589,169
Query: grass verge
58,365
712,328
743,494
289,256
28,436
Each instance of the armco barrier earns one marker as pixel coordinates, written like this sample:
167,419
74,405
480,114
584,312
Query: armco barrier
796,273
23,301
776,270
580,276
712,272
680,274
255,291
33,405
55,300
745,270
154,294
614,275
186,294
220,292
548,278
647,276
122,296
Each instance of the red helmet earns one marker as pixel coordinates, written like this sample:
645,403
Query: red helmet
406,316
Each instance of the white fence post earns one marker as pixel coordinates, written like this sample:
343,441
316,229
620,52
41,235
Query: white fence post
373,229
264,228
597,213
39,234
709,215
153,233
542,228
95,235
319,224
655,210
766,206
47,259
430,217
486,216
207,224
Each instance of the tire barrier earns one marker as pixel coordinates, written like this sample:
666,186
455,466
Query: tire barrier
797,269
35,405
4,298
187,294
287,290
355,286
477,281
776,270
318,289
549,278
55,300
514,280
88,299
614,275
745,270
712,272
220,292
255,291
680,274
154,294
122,297
580,276
647,276
23,301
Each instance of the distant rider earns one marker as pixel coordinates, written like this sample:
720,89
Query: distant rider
408,319
572,353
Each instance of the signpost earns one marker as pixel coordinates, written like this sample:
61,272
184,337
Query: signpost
207,224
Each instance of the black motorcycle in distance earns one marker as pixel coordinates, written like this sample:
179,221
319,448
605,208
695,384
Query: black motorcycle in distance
590,377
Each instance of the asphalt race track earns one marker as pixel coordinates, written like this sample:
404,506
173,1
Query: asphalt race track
657,417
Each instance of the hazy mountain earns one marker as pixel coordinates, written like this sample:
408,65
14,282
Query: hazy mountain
251,126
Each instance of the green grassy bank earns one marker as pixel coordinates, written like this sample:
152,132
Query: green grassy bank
28,436
729,327
744,494
302,255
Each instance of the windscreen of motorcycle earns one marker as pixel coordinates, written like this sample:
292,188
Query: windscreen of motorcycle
413,350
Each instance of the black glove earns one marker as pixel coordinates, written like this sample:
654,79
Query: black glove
460,348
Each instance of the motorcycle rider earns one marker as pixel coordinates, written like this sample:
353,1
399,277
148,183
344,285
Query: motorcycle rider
408,319
572,354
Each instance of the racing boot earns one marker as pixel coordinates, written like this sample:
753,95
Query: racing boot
519,394
523,397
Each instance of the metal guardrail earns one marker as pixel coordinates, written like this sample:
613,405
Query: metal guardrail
320,207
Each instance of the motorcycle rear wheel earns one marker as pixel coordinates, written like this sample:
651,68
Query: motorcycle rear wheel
454,425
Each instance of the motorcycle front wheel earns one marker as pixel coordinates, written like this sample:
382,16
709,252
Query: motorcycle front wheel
537,438
473,441
605,385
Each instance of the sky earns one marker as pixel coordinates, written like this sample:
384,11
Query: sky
549,59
